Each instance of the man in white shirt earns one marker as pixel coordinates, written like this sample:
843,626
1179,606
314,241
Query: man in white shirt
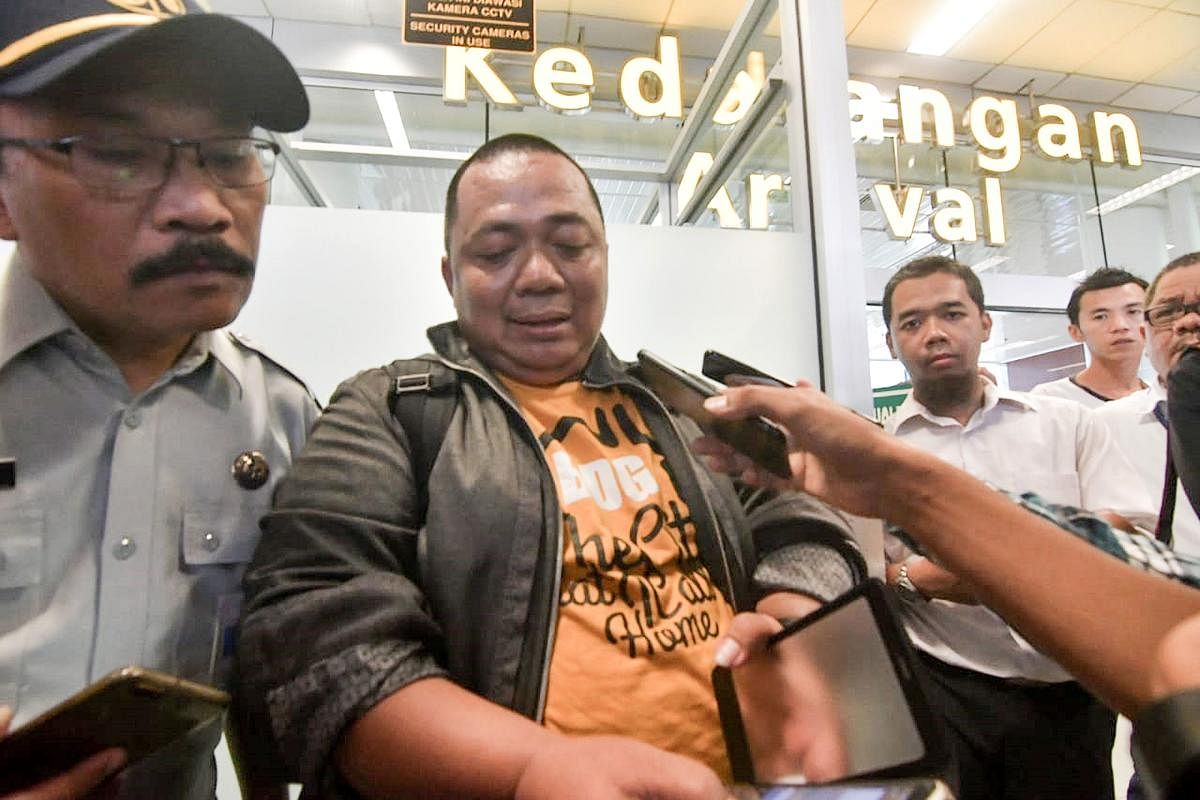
1017,725
1135,422
1105,313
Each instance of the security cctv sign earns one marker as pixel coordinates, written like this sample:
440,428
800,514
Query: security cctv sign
490,24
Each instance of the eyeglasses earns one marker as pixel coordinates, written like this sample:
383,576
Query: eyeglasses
125,166
1170,312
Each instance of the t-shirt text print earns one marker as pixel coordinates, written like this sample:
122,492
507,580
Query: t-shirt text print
639,613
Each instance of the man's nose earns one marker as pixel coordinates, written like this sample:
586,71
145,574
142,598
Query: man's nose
190,200
1189,322
934,332
539,273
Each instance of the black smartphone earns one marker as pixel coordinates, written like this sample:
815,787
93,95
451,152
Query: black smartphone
895,789
719,367
763,441
839,697
137,709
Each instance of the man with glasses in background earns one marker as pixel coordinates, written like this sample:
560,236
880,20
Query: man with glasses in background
1139,422
139,445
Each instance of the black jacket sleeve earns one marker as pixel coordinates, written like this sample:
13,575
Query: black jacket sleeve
1183,408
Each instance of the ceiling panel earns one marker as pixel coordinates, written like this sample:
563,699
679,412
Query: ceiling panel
1006,28
1152,46
1079,34
386,12
1150,3
654,11
1154,98
346,12
615,34
1191,108
891,24
1183,74
1090,90
853,11
552,27
692,14
1010,80
890,64
1186,6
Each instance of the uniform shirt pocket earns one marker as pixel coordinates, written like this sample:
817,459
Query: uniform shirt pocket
21,532
218,540
216,534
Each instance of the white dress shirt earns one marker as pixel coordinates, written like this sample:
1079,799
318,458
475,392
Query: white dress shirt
1020,443
1069,390
1143,440
124,538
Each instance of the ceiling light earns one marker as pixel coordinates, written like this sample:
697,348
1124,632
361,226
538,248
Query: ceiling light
1077,276
948,24
392,121
1148,188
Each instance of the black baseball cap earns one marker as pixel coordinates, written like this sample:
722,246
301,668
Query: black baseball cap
43,42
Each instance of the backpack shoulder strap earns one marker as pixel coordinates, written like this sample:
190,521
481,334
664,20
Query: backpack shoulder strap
423,396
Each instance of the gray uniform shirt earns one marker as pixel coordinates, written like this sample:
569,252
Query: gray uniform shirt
125,534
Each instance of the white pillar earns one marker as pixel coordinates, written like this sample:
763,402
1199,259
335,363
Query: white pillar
814,61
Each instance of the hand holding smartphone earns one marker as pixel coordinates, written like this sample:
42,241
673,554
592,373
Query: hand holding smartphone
762,441
135,709
836,696
721,367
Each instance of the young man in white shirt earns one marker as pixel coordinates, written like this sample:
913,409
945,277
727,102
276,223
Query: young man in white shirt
1136,422
1105,313
1018,726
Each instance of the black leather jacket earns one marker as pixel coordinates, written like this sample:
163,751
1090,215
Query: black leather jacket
343,607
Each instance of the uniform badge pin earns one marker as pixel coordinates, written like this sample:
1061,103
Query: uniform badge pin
250,469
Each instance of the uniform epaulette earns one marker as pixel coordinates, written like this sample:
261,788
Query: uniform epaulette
246,343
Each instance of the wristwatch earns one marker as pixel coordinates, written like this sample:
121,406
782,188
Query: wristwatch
904,583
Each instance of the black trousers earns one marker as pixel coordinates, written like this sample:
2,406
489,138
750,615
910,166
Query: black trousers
1014,741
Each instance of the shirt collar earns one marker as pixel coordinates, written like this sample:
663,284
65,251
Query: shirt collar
992,397
221,346
1149,397
28,315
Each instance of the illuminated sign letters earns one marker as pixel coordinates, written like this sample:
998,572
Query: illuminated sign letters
994,125
651,87
560,68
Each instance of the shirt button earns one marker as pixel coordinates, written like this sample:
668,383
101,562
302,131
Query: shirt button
124,548
133,418
210,542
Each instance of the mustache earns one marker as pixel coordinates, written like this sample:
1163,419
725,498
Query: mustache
182,258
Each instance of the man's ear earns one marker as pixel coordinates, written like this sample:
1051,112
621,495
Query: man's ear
887,337
986,319
447,275
1076,334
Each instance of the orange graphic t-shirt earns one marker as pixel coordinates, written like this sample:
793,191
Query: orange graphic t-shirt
639,614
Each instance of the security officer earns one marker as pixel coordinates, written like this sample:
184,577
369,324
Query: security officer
139,444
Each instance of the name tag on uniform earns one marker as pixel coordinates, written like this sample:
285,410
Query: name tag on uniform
8,473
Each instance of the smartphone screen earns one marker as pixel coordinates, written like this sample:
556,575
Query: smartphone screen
837,698
916,789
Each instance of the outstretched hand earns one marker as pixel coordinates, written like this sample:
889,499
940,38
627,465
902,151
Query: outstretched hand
836,455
